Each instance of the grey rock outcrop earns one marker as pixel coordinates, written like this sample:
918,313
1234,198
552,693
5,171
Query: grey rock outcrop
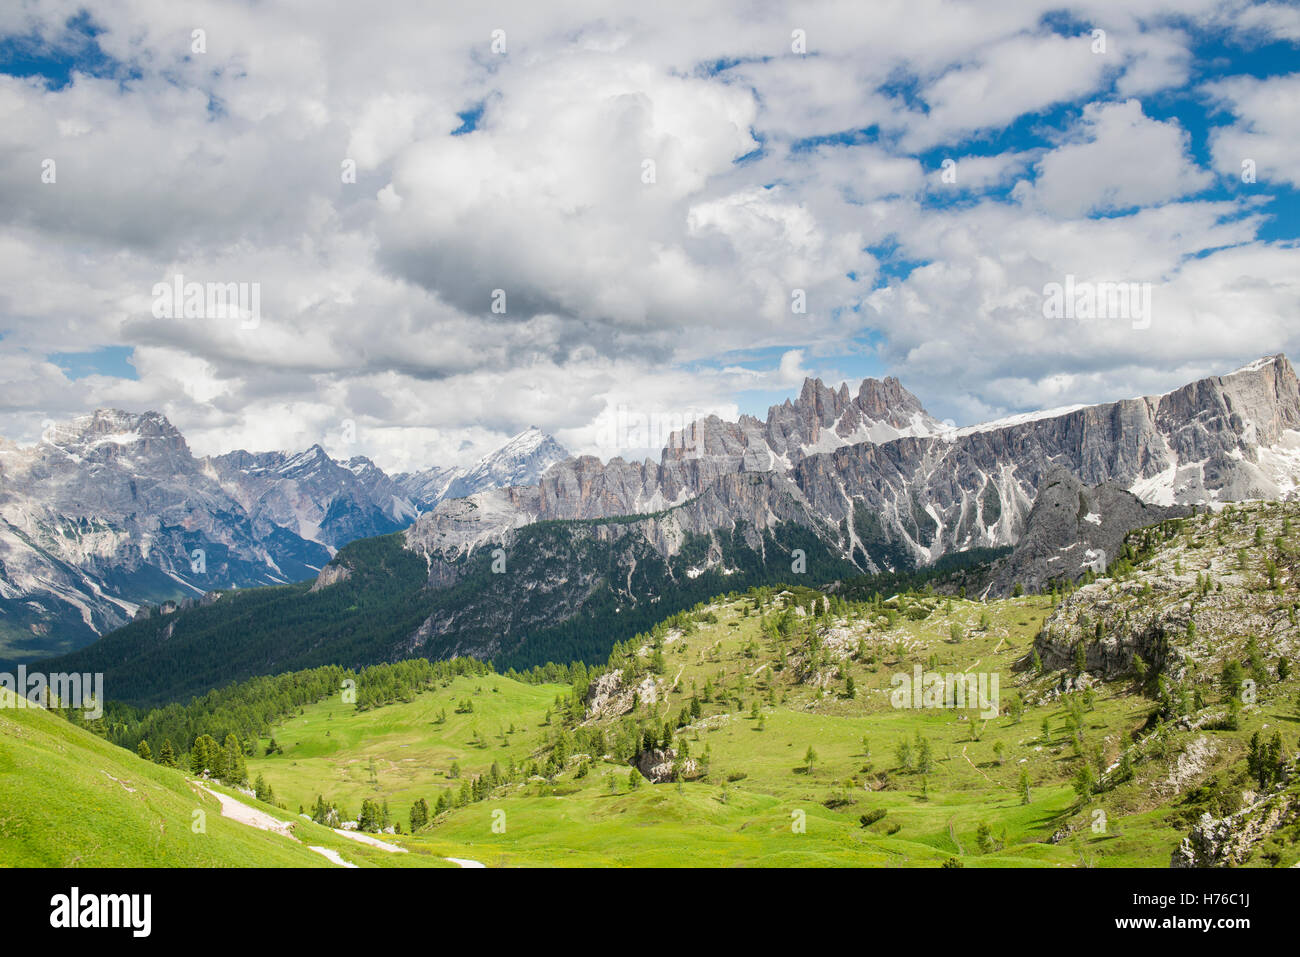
661,764
331,574
1071,529
1229,841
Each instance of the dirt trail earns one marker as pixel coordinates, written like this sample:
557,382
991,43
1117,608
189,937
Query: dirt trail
237,810
332,855
367,839
974,765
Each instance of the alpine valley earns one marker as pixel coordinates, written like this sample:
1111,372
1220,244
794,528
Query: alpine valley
531,557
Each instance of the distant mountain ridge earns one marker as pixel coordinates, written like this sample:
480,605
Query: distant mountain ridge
922,490
749,496
314,496
112,510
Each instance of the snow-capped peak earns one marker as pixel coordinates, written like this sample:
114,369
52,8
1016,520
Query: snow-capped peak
526,442
520,461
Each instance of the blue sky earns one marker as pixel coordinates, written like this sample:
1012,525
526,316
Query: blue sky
107,361
524,171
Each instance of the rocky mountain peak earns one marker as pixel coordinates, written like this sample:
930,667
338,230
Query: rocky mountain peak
886,399
106,435
521,461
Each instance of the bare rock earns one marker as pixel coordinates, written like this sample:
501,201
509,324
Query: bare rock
331,574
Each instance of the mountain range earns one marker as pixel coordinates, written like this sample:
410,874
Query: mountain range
112,511
832,485
887,486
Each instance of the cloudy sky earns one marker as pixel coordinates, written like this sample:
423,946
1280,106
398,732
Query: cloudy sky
464,222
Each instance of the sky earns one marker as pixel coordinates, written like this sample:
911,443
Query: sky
451,225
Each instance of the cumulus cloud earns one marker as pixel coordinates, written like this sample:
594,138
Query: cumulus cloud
1123,159
643,193
1265,134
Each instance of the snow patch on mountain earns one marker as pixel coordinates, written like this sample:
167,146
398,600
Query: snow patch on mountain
521,461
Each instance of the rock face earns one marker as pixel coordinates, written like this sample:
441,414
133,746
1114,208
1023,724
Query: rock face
660,764
109,511
1073,528
521,461
428,487
609,696
112,510
878,479
820,420
312,495
331,574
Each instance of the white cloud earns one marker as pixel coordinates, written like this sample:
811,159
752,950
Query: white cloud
376,296
1022,74
1124,159
1266,130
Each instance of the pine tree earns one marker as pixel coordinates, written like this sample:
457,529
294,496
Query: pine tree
234,770
262,791
167,757
924,757
143,750
206,755
368,817
1084,782
903,752
419,814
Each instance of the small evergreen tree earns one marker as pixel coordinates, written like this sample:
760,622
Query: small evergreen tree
419,814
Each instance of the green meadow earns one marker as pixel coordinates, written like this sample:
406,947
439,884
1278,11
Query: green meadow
762,802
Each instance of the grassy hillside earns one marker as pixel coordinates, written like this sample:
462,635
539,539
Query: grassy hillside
70,799
740,812
742,809
570,595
